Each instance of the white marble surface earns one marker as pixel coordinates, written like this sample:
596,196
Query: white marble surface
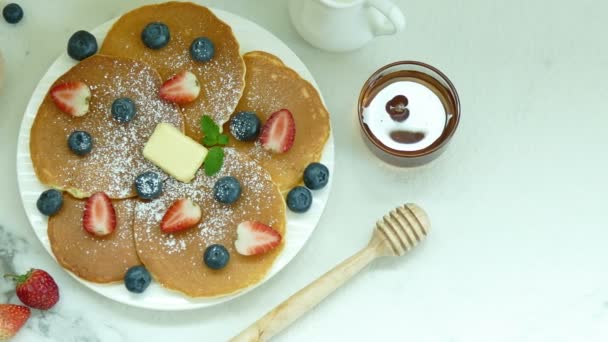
518,251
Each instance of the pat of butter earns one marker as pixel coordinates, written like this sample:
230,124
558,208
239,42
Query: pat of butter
175,153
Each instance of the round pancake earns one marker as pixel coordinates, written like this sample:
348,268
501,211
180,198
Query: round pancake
221,79
176,260
269,87
96,259
116,158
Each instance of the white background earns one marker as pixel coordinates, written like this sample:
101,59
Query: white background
518,202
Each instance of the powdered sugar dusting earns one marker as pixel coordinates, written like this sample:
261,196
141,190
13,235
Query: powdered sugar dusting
261,155
219,220
93,257
270,87
124,218
221,78
116,158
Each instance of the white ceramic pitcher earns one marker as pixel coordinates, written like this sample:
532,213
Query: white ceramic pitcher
344,25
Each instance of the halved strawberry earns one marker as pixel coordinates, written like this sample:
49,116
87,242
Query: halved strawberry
99,216
72,97
181,88
255,238
279,132
181,215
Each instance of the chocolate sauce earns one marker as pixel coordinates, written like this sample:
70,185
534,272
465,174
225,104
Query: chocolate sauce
397,108
407,137
433,112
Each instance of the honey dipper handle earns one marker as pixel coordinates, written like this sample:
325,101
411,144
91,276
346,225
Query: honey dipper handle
307,298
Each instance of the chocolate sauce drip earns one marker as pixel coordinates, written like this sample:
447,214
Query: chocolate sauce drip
397,108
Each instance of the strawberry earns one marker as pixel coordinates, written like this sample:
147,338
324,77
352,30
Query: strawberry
181,88
36,289
72,98
12,318
181,215
99,216
279,132
255,238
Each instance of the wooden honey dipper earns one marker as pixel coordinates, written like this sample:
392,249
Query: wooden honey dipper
395,234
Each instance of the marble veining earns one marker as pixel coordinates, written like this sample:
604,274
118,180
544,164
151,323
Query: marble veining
49,324
52,324
10,245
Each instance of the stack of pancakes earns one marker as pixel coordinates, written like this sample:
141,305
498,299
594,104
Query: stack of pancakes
230,83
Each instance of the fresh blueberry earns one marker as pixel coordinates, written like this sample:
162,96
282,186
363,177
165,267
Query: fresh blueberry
80,142
316,176
50,202
137,279
123,109
245,126
227,190
148,185
216,257
81,45
299,199
202,49
155,35
12,13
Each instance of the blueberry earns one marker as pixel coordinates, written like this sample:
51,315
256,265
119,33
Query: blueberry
316,176
80,142
202,49
12,13
299,199
148,185
155,35
137,279
50,202
216,257
81,45
227,190
245,126
123,109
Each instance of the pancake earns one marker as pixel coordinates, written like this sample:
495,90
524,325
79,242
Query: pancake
96,259
269,87
176,260
221,79
116,158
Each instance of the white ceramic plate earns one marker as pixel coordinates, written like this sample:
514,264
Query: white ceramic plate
299,226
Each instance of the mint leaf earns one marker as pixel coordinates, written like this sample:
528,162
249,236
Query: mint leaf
214,160
208,126
210,130
209,141
222,139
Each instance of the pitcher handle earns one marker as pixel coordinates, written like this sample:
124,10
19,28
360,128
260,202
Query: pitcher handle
392,13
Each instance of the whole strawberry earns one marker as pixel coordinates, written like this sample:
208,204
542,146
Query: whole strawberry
12,318
36,289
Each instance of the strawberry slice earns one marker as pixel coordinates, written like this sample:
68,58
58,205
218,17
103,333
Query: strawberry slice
181,215
181,88
72,98
279,132
99,216
255,238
